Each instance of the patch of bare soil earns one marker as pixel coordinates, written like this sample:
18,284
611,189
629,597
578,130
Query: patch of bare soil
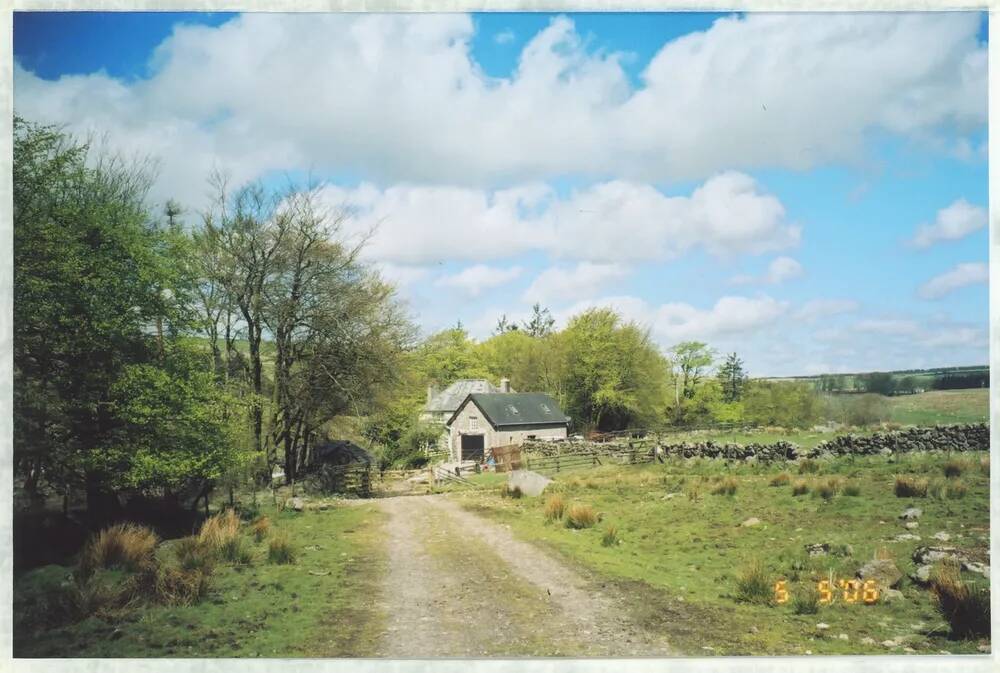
460,585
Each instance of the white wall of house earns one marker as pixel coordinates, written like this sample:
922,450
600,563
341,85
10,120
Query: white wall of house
470,421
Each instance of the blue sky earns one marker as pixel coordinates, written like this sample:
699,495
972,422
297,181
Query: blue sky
718,177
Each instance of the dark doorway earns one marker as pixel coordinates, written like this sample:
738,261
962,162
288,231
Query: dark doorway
472,448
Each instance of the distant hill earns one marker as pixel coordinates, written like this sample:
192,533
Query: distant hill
898,382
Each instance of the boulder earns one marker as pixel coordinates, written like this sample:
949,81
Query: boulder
883,571
818,549
929,555
911,525
979,568
903,537
892,595
922,575
752,521
296,504
911,513
941,535
530,483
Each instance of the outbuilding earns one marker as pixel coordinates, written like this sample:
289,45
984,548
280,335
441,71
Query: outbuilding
487,420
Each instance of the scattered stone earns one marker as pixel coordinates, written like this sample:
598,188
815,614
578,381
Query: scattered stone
928,555
983,648
941,535
668,496
980,568
911,513
922,575
892,595
818,549
883,571
822,626
752,521
843,636
867,641
903,537
889,643
910,525
909,650
296,504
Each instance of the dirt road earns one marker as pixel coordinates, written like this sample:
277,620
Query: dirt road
461,586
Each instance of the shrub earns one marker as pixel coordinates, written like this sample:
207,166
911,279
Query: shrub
193,554
851,489
911,487
800,487
125,545
808,465
610,537
753,585
218,530
806,600
955,490
580,516
554,507
280,550
965,606
260,528
953,468
780,479
725,487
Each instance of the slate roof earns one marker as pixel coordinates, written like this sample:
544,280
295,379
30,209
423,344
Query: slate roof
506,409
452,397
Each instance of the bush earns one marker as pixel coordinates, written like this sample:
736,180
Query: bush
125,545
806,601
554,507
219,530
725,487
580,516
610,537
965,606
851,489
193,554
808,466
911,487
780,479
800,487
753,585
260,528
280,550
953,468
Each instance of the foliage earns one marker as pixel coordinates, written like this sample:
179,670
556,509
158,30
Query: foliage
541,322
732,377
858,410
781,403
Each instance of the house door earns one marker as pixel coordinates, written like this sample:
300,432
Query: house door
472,448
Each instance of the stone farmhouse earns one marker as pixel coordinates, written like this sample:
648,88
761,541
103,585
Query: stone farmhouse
476,416
484,421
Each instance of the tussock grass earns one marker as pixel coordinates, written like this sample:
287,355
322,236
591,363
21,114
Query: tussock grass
954,468
125,545
610,537
808,466
726,486
506,491
169,585
280,550
955,489
580,516
753,584
235,551
780,479
829,488
555,506
693,492
805,601
984,465
800,487
965,606
851,489
219,530
911,487
193,554
260,528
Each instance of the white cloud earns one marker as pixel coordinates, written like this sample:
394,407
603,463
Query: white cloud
474,280
814,309
729,315
778,271
567,284
952,337
956,221
399,97
401,275
504,37
607,222
963,275
888,326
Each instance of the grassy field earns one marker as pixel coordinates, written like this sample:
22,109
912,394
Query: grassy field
942,406
321,605
680,556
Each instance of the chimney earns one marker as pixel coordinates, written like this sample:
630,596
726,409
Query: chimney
505,385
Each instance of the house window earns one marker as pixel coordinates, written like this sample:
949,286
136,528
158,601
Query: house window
473,422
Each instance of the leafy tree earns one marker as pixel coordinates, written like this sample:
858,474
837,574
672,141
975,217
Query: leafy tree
448,356
504,325
541,322
882,383
732,378
690,359
781,403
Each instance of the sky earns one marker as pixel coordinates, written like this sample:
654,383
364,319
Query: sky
806,190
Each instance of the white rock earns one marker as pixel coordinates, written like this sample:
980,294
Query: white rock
867,641
822,626
911,513
889,643
903,537
911,525
752,521
974,567
941,535
843,636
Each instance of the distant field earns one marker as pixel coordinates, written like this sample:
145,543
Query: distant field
678,558
942,406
